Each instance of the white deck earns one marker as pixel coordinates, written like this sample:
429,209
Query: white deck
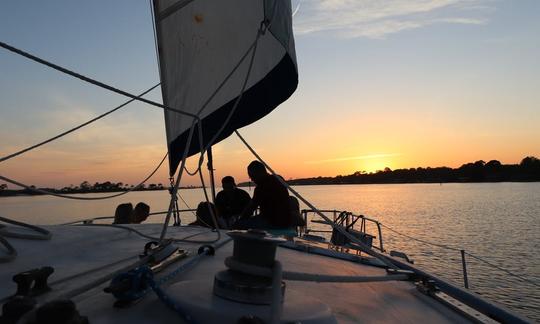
75,249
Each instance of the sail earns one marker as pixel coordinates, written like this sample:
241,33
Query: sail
199,43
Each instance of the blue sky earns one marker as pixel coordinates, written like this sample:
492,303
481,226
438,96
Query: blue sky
400,83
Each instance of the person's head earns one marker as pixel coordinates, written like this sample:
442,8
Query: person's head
140,213
228,183
123,212
256,171
204,215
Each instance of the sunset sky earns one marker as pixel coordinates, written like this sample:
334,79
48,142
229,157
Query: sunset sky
397,83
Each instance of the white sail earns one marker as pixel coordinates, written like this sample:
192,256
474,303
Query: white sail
200,42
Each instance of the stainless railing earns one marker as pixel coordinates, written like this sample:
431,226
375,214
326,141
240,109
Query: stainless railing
348,219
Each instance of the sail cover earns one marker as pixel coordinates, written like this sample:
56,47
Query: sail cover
199,43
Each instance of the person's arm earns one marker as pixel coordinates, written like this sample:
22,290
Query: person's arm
250,208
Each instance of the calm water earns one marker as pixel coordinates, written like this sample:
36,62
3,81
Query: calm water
497,221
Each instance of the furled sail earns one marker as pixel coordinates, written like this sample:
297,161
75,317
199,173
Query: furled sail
199,43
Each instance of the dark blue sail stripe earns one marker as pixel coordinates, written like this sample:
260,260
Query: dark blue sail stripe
258,101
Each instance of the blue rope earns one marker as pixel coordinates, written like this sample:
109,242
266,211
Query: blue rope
142,280
163,296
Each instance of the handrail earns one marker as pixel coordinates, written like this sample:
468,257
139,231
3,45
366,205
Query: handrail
91,220
350,220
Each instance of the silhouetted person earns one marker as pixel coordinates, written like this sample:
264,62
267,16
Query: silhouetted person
231,201
140,213
123,212
296,216
204,215
271,197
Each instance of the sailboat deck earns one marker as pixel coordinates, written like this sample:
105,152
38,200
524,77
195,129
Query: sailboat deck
75,249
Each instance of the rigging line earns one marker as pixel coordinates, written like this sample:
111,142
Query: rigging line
93,81
253,49
210,209
177,183
502,269
207,102
7,157
363,247
420,240
185,203
468,253
50,193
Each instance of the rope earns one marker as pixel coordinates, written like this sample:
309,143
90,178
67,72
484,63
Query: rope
92,81
459,250
502,269
421,241
93,284
152,238
44,234
162,295
7,157
142,277
253,49
312,277
185,203
11,251
227,119
363,247
176,185
50,193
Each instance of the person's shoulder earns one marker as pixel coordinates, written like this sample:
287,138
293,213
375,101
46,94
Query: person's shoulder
241,191
275,180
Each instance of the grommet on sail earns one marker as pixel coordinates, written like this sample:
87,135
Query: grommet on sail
200,42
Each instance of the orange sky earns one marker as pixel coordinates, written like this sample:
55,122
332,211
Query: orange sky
380,86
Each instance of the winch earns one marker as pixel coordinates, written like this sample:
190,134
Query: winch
244,291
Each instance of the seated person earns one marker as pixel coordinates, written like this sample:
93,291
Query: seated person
231,201
204,215
294,206
140,213
123,212
271,196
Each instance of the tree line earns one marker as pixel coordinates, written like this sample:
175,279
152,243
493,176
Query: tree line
84,187
480,171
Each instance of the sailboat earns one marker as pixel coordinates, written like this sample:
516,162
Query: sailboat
223,65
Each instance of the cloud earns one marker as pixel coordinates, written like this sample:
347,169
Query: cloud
378,18
361,157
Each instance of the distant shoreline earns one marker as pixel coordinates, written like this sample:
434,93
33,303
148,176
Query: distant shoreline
24,193
528,170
